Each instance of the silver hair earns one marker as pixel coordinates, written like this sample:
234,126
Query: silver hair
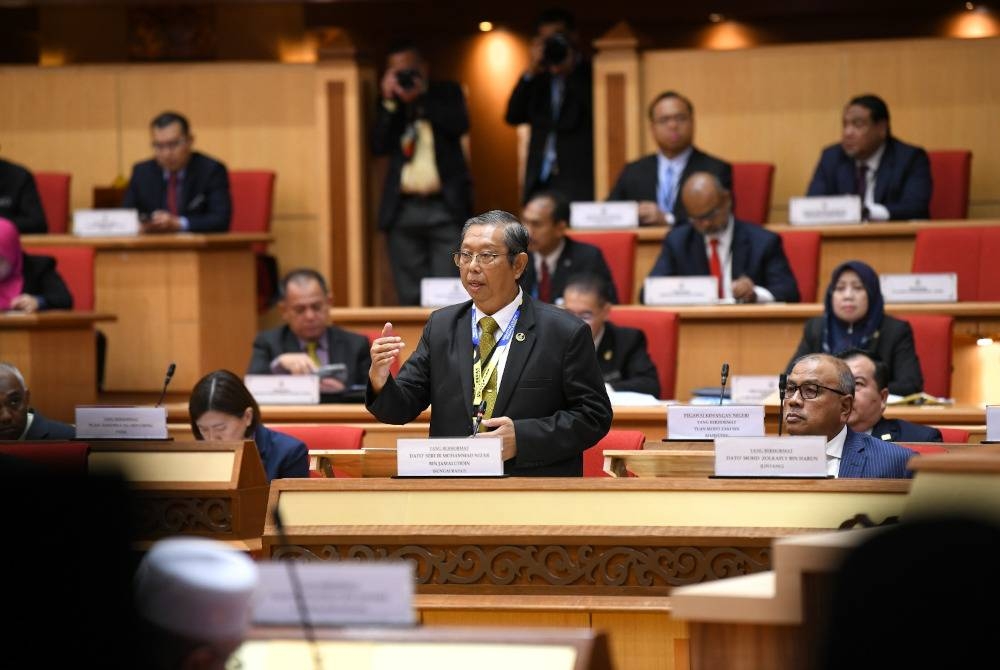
845,378
12,369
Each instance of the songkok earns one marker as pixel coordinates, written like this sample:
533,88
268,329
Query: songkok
196,587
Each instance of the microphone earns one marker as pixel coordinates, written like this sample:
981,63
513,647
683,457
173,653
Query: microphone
166,382
297,592
782,384
725,378
478,418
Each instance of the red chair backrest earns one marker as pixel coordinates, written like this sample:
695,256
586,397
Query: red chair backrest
950,174
924,447
64,457
325,436
989,269
372,335
252,192
593,458
954,435
932,337
76,266
661,329
53,190
618,249
802,249
752,183
951,250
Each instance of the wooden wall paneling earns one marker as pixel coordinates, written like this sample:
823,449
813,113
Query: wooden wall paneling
644,641
226,310
618,106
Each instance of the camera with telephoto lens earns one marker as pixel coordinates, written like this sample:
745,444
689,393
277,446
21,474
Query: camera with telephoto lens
555,50
407,79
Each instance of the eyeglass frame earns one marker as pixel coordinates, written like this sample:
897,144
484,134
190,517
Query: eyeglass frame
457,257
791,388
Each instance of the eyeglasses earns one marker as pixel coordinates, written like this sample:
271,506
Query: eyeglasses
465,258
667,118
171,145
587,316
809,391
708,216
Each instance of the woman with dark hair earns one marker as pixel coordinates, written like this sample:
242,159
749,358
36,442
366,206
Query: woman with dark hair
28,283
854,318
222,408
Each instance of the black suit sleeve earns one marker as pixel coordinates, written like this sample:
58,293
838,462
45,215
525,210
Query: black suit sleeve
638,370
823,181
620,190
403,398
214,216
914,201
779,278
446,110
27,213
905,376
519,104
260,359
809,344
42,281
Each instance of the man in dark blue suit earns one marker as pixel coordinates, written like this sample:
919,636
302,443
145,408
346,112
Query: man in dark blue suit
179,190
818,401
871,389
750,259
17,420
893,178
553,257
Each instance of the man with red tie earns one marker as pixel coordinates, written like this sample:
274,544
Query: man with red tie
748,259
179,190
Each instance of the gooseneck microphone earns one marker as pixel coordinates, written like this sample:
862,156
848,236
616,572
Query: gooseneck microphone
166,382
479,417
300,598
782,385
725,378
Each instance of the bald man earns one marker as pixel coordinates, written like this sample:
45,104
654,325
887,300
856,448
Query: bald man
751,263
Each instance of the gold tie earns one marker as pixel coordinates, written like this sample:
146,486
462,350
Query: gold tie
311,352
486,343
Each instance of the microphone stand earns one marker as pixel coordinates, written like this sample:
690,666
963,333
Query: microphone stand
725,378
782,383
300,600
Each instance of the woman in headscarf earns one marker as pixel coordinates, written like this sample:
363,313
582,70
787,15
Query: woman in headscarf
28,283
854,317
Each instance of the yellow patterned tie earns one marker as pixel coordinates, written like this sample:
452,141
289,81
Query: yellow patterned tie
311,352
486,343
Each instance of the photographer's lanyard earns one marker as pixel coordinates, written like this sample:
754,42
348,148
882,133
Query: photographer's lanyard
479,376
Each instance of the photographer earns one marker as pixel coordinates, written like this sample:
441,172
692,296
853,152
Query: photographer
427,194
554,96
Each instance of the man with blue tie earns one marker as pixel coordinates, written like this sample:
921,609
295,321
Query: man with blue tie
655,181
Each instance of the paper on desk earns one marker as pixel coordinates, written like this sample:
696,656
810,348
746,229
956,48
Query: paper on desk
633,399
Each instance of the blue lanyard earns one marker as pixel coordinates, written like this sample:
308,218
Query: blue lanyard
504,339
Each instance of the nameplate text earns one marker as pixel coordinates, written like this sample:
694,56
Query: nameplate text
105,222
442,291
825,209
920,287
694,290
284,389
699,422
799,456
98,422
450,457
589,215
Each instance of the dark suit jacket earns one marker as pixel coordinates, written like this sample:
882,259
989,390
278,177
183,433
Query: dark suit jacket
342,346
866,457
892,344
204,194
638,180
902,183
625,361
42,281
47,429
19,201
576,257
444,106
283,456
551,387
531,102
900,430
757,253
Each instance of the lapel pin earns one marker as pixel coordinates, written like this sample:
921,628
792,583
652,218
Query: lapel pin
887,437
519,337
608,355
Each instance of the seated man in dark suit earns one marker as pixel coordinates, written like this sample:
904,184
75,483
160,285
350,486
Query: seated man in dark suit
308,342
818,401
541,391
893,178
748,259
553,257
17,420
179,190
19,200
655,181
871,389
621,351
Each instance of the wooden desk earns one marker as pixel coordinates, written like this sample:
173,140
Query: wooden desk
56,353
186,298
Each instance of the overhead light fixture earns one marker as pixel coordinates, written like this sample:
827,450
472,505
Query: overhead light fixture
485,26
970,6
984,341
715,17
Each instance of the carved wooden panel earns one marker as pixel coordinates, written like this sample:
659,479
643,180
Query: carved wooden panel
172,515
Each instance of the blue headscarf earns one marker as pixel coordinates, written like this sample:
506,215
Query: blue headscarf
838,335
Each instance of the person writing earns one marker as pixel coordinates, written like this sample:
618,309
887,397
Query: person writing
854,317
222,409
541,388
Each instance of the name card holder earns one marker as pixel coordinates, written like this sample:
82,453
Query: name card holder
752,389
100,422
283,389
825,209
590,215
105,222
696,290
702,422
442,291
798,457
920,287
993,423
450,457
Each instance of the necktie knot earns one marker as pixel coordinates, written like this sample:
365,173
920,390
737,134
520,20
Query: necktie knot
312,353
488,325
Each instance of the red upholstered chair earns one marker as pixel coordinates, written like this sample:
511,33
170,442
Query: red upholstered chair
924,447
954,435
593,458
752,183
325,436
802,249
932,337
951,250
618,248
989,269
67,458
252,192
76,266
53,190
661,329
950,172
